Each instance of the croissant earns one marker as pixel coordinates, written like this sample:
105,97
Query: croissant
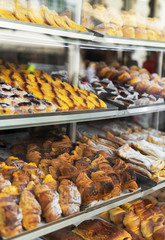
70,198
33,154
31,210
82,164
10,217
7,172
132,222
3,183
15,162
20,180
33,171
117,216
49,202
65,145
103,184
158,216
147,228
50,182
141,211
44,165
87,189
159,232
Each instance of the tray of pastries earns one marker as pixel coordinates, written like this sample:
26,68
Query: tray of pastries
124,87
129,24
142,219
47,178
38,14
26,90
142,149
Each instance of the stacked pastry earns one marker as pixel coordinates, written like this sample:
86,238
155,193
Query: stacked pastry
121,24
140,218
27,194
38,14
142,149
127,86
86,167
53,92
92,230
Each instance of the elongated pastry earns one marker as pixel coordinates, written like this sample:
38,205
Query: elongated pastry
20,180
135,236
49,202
3,183
117,216
159,232
156,140
133,156
150,149
70,198
132,222
31,210
97,229
147,228
87,189
10,217
15,162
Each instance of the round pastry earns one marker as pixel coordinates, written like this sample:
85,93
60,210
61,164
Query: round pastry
154,24
142,86
112,74
115,17
134,81
125,68
154,77
128,32
129,19
141,21
141,33
133,73
144,76
143,70
154,89
134,68
151,34
124,77
23,107
103,71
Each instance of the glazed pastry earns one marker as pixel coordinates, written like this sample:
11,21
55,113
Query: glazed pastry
31,210
49,202
159,232
15,162
97,229
20,180
70,198
132,222
147,228
117,216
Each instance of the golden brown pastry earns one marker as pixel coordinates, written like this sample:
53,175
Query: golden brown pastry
105,215
135,236
49,202
10,217
50,182
44,165
132,222
15,162
3,183
147,228
64,234
20,180
68,171
7,172
159,232
87,189
97,229
128,32
65,145
70,198
126,174
33,154
34,172
104,184
141,33
117,216
31,210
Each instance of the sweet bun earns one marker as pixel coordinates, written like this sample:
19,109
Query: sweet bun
141,33
129,19
128,32
115,17
123,77
142,86
154,89
151,34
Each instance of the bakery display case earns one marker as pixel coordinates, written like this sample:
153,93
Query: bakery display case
80,139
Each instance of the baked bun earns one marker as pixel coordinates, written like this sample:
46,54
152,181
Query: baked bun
141,33
128,32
